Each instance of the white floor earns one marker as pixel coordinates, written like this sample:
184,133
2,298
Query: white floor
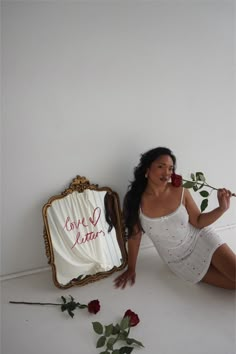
175,317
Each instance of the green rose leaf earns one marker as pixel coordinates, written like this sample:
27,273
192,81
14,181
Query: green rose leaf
63,299
204,204
123,336
110,343
63,307
204,194
70,313
126,350
116,329
98,327
188,184
106,352
195,187
131,341
200,176
192,176
108,330
71,305
101,342
116,351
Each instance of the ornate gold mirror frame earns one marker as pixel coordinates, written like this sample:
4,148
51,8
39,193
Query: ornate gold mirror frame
84,234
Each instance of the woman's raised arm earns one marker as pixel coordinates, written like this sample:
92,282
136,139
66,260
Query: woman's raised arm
201,220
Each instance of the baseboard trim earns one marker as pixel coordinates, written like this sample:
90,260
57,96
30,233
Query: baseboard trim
46,269
22,274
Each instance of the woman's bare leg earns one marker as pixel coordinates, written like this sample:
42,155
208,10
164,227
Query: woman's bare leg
214,277
224,260
221,272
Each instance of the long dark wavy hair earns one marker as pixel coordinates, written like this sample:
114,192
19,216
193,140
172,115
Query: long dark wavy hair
137,186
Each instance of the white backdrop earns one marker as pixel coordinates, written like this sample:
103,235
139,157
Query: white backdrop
88,86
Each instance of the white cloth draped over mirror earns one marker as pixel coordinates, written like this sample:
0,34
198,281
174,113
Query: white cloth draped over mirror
81,242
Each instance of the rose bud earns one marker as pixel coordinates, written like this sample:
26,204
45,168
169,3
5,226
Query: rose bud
93,306
133,318
176,180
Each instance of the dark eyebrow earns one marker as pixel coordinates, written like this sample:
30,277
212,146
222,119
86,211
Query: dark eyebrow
164,164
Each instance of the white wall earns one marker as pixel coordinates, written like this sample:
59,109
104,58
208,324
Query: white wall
88,86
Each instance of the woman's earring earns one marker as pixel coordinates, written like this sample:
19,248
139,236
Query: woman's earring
146,176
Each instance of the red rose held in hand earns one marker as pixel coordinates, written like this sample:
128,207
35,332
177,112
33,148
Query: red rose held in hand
133,318
94,306
176,180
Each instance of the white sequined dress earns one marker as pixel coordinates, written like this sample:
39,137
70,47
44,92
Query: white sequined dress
184,248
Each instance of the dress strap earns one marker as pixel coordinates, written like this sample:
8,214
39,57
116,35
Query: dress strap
182,196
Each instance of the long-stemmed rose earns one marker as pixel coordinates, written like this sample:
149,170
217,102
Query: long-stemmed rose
69,306
198,181
111,334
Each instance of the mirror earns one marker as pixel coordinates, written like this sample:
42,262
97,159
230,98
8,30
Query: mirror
84,234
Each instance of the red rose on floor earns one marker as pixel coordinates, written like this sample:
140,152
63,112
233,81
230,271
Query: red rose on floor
133,318
93,306
176,180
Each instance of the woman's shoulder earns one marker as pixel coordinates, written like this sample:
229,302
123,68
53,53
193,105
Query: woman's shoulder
176,190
